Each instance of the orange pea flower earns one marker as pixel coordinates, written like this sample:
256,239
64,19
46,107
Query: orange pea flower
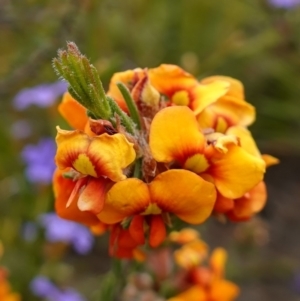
184,236
146,204
94,163
254,200
80,205
217,101
190,255
103,155
208,283
122,244
6,293
228,110
183,89
130,79
175,139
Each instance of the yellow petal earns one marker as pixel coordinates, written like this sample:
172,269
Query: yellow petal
125,199
246,140
236,172
184,194
73,112
207,94
111,154
104,155
174,135
236,88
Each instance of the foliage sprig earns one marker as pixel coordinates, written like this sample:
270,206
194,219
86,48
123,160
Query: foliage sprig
84,81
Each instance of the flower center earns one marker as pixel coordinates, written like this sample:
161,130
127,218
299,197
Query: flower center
196,163
152,209
84,165
221,125
181,98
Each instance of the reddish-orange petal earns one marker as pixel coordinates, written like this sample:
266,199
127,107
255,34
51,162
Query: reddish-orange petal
92,197
73,112
169,79
158,233
223,204
252,202
121,243
136,229
195,293
62,190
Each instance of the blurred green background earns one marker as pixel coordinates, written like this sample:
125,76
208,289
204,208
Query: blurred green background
247,39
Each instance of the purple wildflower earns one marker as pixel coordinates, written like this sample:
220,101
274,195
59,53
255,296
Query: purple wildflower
296,283
43,95
61,230
284,3
42,287
21,129
68,294
39,159
29,231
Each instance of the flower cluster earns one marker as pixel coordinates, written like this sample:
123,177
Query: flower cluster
190,272
158,146
203,276
6,293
